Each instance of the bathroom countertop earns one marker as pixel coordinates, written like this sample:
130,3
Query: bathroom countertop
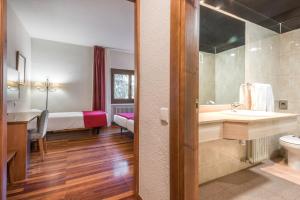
215,117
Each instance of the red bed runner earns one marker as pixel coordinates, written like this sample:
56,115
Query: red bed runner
127,115
94,119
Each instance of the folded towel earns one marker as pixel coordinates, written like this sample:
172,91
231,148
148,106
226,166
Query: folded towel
270,100
262,98
242,94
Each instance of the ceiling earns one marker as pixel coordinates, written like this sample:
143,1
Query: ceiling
108,23
219,32
267,13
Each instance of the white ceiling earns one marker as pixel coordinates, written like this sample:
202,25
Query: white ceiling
108,23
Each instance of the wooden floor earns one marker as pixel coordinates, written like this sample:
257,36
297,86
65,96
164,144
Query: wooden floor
80,166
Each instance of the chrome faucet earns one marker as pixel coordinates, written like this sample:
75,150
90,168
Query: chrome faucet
234,106
210,102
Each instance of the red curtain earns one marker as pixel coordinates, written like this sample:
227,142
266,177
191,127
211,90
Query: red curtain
99,79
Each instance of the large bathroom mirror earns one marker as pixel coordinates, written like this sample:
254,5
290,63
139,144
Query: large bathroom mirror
222,57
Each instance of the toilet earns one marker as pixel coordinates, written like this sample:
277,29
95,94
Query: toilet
291,144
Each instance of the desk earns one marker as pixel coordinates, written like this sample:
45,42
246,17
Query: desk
18,140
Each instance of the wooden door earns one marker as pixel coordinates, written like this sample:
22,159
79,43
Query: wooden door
183,99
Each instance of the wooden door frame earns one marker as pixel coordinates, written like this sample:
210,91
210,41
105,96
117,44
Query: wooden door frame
184,84
3,120
137,96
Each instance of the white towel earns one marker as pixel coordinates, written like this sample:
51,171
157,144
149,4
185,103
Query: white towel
262,97
242,94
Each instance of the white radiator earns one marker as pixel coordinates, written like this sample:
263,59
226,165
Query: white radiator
115,109
258,150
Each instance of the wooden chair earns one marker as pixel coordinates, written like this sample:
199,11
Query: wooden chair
10,165
40,134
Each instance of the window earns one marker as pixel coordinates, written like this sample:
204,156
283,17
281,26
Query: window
122,86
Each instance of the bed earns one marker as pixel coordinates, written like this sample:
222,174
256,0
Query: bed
125,121
61,121
120,121
130,125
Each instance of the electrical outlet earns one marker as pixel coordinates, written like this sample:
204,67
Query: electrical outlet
283,104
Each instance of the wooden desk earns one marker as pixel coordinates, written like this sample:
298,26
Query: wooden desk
18,140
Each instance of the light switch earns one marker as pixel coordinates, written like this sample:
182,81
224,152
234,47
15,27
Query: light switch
164,115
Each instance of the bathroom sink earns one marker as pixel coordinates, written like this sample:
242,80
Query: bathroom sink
248,113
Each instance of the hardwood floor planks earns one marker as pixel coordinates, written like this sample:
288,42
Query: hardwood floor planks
80,166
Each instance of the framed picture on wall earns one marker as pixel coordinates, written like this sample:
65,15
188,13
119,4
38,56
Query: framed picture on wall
21,67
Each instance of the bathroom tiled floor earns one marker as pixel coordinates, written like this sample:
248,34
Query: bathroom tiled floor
250,184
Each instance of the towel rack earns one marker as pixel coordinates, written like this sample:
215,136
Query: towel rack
247,84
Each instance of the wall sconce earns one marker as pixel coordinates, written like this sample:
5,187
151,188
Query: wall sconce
12,85
47,87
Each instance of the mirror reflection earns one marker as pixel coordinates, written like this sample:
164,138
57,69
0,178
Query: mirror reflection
222,57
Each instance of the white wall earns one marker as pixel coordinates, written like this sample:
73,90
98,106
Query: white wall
117,59
72,66
67,64
154,94
18,39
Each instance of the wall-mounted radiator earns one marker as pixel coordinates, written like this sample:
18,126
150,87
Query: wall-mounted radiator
258,150
115,109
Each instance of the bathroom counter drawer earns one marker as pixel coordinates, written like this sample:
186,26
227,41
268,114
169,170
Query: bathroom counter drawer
210,132
255,130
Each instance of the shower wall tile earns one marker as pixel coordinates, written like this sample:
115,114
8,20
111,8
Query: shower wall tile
290,42
230,74
207,80
262,55
289,70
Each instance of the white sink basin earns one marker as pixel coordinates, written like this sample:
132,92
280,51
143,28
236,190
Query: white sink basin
248,113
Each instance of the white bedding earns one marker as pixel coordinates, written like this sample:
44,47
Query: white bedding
124,122
121,121
130,125
65,120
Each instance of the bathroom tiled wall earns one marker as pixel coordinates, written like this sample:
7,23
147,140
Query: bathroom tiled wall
219,72
207,74
275,59
289,70
269,58
230,74
288,75
262,56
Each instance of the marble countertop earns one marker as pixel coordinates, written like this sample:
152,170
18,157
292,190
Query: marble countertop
215,117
